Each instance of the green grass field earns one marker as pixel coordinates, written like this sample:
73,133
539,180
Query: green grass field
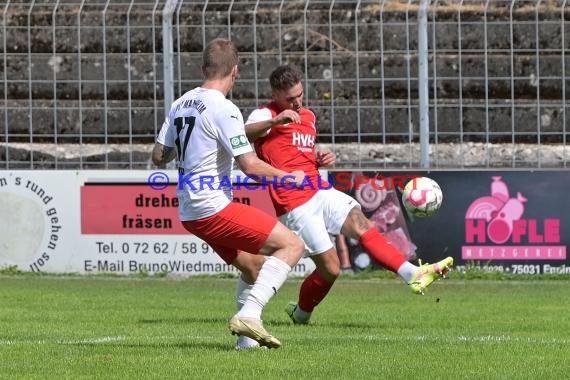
72,327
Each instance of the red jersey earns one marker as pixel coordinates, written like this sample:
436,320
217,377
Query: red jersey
290,147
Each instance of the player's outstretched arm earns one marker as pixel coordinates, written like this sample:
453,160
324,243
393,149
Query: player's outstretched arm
162,154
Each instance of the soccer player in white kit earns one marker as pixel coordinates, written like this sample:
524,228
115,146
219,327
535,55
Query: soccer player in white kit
206,132
284,135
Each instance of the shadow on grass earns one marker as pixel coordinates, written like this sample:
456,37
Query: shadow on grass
266,322
327,324
183,321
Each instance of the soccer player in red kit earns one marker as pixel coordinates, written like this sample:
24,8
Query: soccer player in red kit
284,135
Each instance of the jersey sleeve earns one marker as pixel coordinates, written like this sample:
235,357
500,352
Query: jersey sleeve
258,115
166,136
232,132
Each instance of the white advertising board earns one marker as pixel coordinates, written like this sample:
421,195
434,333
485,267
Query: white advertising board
121,222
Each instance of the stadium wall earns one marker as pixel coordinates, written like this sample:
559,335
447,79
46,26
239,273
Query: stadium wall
84,83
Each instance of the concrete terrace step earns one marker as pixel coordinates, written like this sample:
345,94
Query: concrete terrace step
472,97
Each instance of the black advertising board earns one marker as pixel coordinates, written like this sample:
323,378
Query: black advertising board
512,221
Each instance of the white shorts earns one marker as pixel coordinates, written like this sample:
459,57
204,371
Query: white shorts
320,219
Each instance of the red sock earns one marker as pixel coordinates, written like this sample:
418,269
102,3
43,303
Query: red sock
313,291
381,250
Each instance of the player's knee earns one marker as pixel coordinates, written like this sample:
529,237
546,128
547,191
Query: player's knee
334,269
329,273
295,247
356,225
328,264
333,273
361,221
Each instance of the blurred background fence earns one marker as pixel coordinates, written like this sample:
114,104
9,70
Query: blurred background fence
85,83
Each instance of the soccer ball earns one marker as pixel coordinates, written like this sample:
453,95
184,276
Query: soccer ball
422,197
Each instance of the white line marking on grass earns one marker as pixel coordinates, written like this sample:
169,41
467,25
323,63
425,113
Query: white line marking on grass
15,342
415,338
105,339
463,338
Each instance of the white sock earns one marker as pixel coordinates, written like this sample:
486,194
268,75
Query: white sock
406,271
245,342
242,292
302,315
272,275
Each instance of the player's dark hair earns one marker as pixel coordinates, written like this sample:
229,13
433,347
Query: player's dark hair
219,58
284,77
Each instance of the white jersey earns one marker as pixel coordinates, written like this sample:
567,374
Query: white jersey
207,131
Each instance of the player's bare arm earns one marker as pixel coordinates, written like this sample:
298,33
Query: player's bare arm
256,130
162,154
325,158
252,166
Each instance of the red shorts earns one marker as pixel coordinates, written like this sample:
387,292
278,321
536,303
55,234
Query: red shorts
237,227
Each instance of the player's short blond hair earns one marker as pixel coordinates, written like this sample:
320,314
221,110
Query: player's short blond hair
219,58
